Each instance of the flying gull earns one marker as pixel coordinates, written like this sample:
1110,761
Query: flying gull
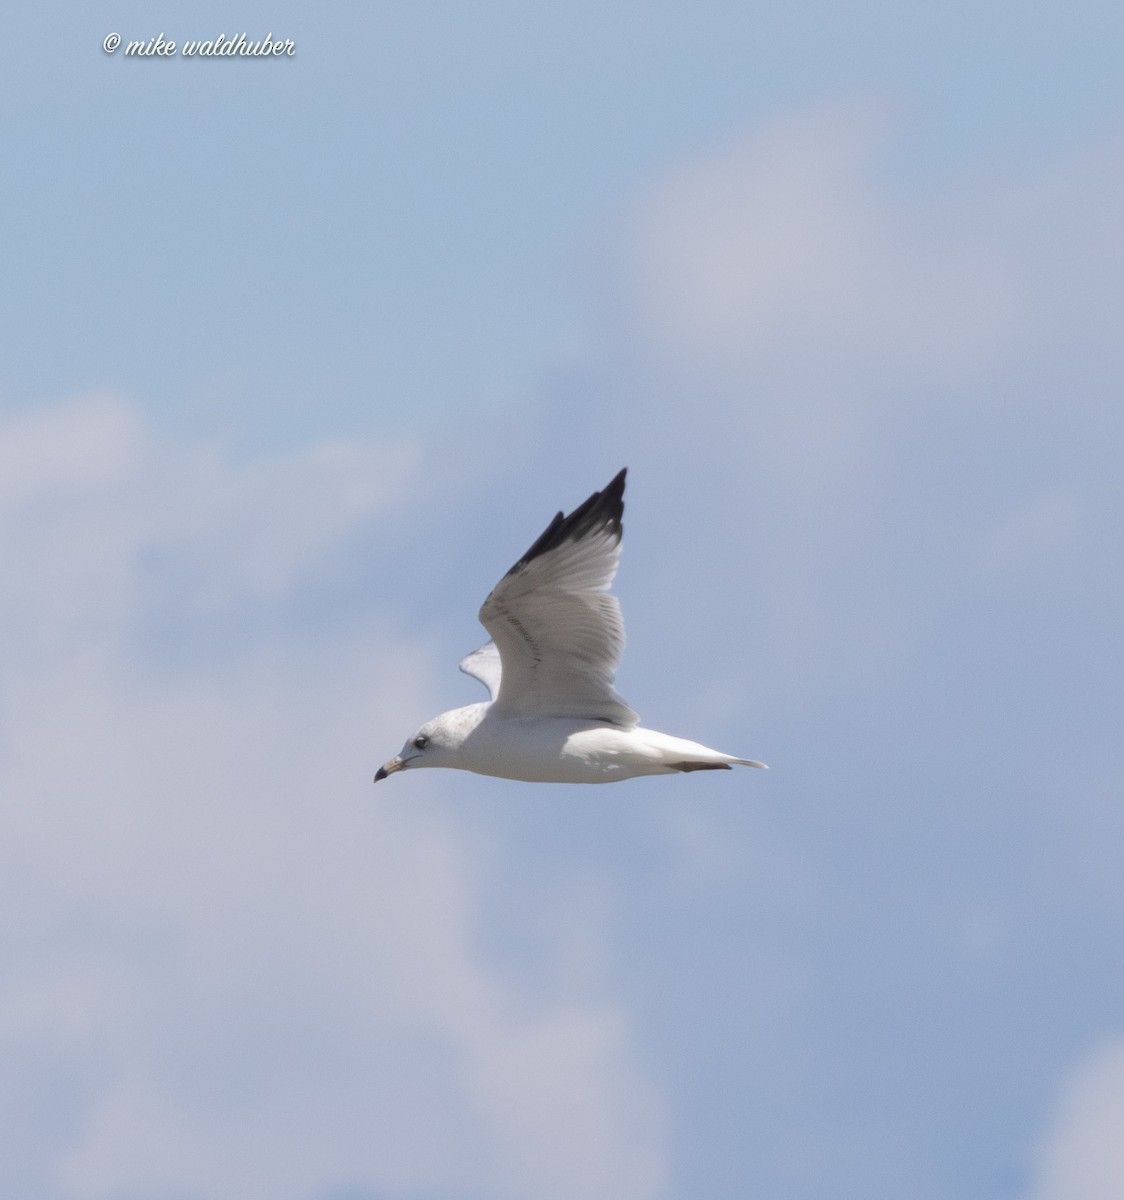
557,638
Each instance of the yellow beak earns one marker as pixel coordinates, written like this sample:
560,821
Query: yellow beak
395,764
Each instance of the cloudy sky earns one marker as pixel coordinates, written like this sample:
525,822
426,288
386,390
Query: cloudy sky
300,354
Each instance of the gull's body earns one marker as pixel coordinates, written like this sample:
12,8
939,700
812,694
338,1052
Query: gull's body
557,638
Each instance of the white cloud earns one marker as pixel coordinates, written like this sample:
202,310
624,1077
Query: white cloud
1038,530
232,968
1082,1157
785,243
851,365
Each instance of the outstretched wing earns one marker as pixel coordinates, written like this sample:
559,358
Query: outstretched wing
484,664
559,633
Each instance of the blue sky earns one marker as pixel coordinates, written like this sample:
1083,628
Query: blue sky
301,354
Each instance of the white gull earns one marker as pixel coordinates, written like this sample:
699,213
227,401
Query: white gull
557,639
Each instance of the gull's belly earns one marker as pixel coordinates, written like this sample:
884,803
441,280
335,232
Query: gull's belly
558,750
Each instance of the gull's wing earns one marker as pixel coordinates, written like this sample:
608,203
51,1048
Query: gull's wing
559,633
484,664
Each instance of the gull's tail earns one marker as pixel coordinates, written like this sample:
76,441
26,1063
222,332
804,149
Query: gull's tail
678,754
688,765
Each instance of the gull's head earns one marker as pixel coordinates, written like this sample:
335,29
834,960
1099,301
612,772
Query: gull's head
434,745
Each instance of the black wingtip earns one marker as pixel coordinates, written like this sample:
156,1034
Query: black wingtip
602,511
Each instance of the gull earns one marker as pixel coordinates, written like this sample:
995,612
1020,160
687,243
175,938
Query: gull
556,640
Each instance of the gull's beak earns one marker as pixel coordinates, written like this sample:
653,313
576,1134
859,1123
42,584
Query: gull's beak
395,764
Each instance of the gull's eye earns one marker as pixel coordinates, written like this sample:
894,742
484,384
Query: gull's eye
421,741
